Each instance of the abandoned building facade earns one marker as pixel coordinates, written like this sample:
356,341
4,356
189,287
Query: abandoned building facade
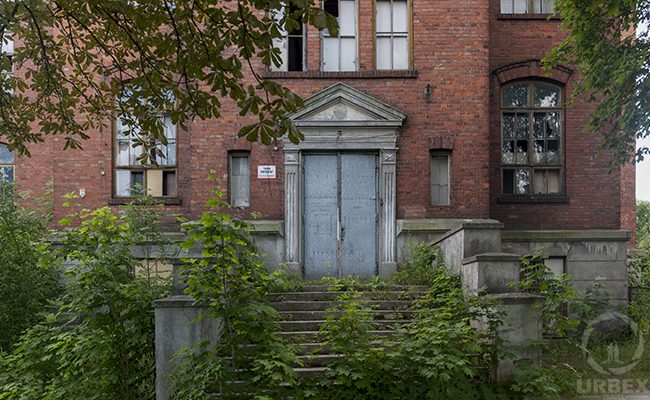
420,116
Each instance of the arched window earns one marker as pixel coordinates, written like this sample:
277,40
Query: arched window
531,138
6,164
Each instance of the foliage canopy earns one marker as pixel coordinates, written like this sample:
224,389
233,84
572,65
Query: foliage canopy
614,68
74,59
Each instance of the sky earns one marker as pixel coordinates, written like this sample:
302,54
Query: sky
643,168
643,174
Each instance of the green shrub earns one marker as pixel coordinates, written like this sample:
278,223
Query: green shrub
419,271
250,360
99,344
29,280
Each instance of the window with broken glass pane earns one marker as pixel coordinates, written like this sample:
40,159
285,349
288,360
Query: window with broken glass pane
392,50
527,6
158,174
531,138
292,42
339,53
6,164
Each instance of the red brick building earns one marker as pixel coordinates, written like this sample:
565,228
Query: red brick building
421,113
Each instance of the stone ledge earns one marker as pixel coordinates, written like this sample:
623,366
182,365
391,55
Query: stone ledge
516,298
492,257
372,74
272,227
426,225
179,301
559,235
471,224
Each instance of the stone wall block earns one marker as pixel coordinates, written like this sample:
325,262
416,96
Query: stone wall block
178,326
490,273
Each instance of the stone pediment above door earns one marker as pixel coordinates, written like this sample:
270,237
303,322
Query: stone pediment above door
342,105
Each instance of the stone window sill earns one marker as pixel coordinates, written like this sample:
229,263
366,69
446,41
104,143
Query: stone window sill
551,17
373,74
533,199
168,201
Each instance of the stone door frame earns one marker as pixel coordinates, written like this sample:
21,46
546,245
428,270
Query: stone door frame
341,118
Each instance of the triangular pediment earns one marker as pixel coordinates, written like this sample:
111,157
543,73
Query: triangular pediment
347,105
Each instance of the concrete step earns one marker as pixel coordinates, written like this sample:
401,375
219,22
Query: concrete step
314,325
364,288
334,295
315,336
321,315
315,305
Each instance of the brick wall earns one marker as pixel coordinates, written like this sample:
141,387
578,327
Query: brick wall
596,198
455,46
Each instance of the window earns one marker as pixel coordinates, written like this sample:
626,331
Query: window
6,164
439,171
392,34
291,45
239,179
531,137
527,6
131,176
339,53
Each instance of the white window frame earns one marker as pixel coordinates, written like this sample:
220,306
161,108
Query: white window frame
326,36
392,35
527,6
283,44
242,199
8,165
159,179
434,184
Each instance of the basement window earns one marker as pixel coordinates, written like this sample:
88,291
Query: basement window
339,53
527,6
292,42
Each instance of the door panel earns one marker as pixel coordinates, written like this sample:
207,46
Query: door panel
340,215
358,215
320,215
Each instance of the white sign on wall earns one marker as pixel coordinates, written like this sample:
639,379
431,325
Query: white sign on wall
266,171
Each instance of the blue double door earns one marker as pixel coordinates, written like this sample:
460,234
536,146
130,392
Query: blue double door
340,214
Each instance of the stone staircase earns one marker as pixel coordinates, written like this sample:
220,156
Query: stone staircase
304,312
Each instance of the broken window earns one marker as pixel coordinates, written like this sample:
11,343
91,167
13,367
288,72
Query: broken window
239,179
6,164
392,51
158,175
339,53
531,138
292,42
527,6
440,177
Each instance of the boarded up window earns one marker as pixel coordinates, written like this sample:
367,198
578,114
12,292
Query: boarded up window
6,164
339,53
158,176
440,178
239,179
392,21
